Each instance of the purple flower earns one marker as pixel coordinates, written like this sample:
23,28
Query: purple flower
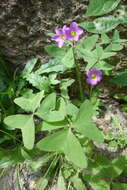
94,76
60,36
74,32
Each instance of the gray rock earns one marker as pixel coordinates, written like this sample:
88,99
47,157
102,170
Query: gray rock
24,25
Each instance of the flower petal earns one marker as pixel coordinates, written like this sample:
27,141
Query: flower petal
79,31
55,37
76,38
73,25
97,73
58,31
68,34
60,43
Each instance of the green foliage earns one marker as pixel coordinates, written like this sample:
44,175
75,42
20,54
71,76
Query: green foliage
88,43
26,124
60,183
41,83
97,57
41,102
84,124
49,126
102,171
107,23
42,183
56,52
9,158
97,7
64,141
54,65
65,83
68,59
120,79
36,164
30,104
119,186
47,109
100,184
101,25
121,13
77,182
29,66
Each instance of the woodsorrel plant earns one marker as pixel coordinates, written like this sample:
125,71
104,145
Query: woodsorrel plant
62,104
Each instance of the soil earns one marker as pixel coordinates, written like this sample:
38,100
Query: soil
24,25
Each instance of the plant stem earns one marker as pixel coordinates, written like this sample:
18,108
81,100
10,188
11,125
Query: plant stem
90,93
78,74
13,137
54,160
18,178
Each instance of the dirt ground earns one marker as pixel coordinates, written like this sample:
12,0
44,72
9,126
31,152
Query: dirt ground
24,25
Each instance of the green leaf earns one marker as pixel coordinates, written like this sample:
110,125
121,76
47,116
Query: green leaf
101,7
47,126
120,79
77,183
39,82
65,83
25,154
114,47
121,13
42,183
53,79
37,163
105,39
104,66
90,57
26,124
53,116
102,161
88,43
55,51
9,158
54,65
110,172
84,124
30,104
29,66
99,51
116,37
68,59
98,55
54,142
100,184
107,55
119,186
118,165
74,151
101,25
47,105
60,183
64,141
72,110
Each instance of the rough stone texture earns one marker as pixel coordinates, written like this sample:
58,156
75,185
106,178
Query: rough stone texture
24,25
19,178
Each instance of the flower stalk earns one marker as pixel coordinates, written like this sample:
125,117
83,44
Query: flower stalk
78,74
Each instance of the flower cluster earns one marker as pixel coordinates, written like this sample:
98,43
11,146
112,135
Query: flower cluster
67,33
94,76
